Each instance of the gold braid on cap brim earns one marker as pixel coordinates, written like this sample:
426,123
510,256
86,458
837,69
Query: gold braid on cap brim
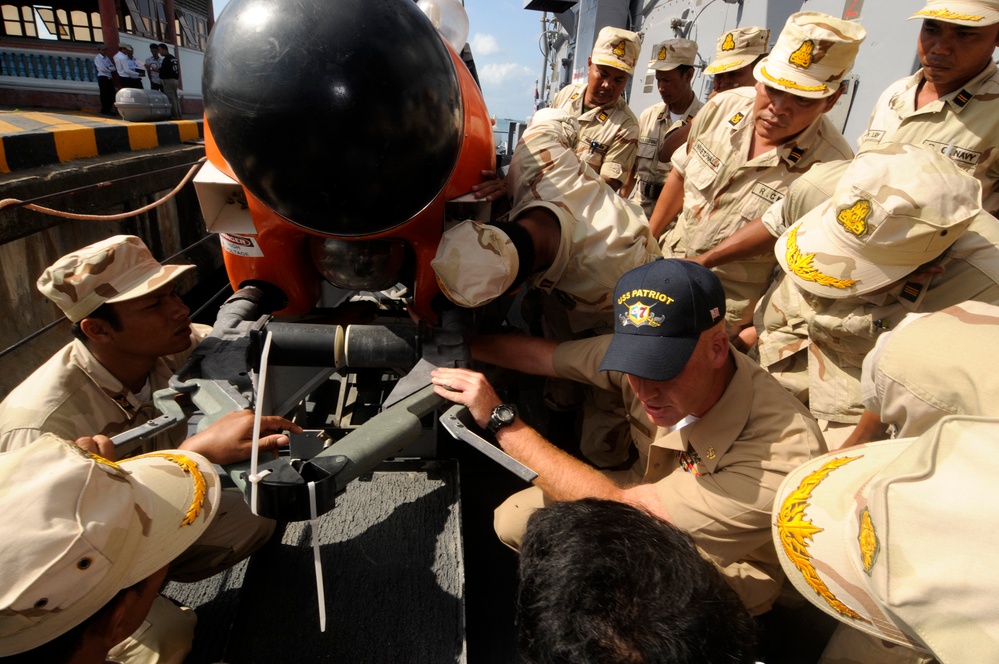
794,530
801,265
787,83
721,68
948,14
188,465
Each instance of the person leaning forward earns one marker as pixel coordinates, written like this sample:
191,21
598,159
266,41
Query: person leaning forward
948,106
608,129
897,230
86,546
132,333
747,145
715,434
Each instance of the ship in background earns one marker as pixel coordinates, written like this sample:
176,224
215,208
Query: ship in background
571,26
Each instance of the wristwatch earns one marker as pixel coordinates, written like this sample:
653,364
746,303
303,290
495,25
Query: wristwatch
503,416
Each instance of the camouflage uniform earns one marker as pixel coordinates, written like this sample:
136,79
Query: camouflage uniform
74,395
723,190
608,135
815,344
909,395
961,125
602,236
653,128
716,476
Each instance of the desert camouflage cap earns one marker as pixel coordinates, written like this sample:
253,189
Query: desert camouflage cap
896,208
974,13
670,54
617,48
78,528
739,48
895,538
119,268
813,53
475,263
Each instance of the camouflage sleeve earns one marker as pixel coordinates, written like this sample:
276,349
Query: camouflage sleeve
620,156
13,439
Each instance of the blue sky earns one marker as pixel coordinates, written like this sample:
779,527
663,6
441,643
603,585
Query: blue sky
504,39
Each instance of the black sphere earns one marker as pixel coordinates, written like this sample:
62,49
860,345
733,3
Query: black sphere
343,116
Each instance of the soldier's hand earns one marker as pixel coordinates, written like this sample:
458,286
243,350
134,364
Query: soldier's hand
231,438
469,388
99,445
492,188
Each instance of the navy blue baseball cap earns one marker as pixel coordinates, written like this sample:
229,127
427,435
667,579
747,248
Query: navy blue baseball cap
660,311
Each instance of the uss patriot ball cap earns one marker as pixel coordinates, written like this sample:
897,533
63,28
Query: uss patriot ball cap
660,311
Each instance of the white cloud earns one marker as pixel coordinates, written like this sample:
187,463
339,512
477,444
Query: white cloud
499,74
484,44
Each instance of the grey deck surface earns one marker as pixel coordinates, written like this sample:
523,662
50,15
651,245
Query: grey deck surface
394,579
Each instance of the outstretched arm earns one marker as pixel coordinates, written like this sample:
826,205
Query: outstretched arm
560,476
751,240
231,438
668,206
530,355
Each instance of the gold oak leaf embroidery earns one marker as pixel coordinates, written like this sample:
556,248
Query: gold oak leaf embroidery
795,531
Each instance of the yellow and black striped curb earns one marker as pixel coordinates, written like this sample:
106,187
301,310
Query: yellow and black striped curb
29,140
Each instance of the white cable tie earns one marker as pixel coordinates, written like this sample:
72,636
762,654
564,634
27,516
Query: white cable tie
317,561
255,445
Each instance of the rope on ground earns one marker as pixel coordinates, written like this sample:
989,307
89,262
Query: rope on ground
8,202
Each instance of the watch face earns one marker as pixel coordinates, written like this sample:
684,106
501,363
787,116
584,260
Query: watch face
504,413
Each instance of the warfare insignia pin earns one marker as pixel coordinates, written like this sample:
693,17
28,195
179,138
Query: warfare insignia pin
854,218
802,56
662,53
640,314
729,43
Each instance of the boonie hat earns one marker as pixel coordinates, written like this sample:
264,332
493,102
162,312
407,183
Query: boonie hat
813,53
896,538
475,263
896,208
739,48
77,528
660,310
972,13
113,270
617,48
670,54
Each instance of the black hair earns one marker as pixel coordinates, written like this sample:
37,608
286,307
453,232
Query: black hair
106,312
602,582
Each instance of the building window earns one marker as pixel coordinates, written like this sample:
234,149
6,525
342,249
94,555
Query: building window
57,24
146,18
18,21
192,30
